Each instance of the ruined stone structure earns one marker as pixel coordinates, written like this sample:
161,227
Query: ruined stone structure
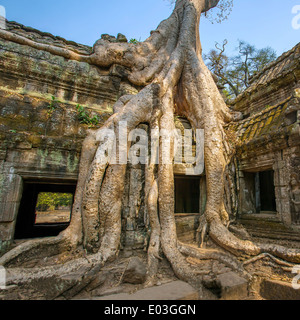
42,134
268,157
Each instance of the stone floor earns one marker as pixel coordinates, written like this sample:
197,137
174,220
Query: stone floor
124,279
55,216
232,287
175,290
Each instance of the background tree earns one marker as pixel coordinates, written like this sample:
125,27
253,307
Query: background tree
51,201
235,73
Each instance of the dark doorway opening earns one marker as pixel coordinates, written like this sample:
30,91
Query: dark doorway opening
45,209
267,191
259,192
187,194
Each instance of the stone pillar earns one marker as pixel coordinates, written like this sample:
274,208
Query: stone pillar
11,187
292,156
281,182
135,189
240,177
246,193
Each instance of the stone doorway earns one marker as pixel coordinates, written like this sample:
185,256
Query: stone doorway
266,191
187,194
45,209
258,194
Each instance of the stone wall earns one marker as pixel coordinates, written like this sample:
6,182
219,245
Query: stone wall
40,128
269,140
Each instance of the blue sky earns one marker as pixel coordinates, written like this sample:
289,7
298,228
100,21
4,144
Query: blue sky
259,22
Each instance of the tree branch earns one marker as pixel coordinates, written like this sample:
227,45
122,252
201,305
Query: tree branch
209,4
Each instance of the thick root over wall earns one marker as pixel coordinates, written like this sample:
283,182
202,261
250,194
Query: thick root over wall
169,67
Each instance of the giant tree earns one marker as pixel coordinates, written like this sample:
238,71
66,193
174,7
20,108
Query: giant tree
235,73
169,68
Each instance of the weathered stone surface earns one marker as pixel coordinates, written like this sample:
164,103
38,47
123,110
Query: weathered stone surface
176,290
278,290
10,193
48,289
205,294
40,131
233,287
135,272
121,38
45,37
269,140
108,37
186,225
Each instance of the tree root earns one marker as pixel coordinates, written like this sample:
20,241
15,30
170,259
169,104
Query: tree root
202,231
212,254
225,239
32,248
72,276
267,255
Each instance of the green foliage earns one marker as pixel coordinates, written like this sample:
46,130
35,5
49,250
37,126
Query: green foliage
52,105
234,74
51,201
134,41
85,117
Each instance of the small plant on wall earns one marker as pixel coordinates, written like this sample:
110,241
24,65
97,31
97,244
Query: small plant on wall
134,41
85,117
52,105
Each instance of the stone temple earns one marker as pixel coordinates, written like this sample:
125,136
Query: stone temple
42,131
